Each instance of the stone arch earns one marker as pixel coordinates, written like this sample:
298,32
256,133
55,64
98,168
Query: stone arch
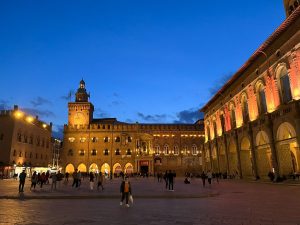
105,169
222,158
214,159
246,157
117,168
82,168
263,154
245,108
70,168
128,168
287,149
94,168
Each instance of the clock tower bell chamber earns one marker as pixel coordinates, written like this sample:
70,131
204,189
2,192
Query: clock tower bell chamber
80,111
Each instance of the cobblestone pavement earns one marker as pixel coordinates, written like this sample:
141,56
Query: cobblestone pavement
228,203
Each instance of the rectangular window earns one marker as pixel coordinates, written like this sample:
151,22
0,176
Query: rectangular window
286,88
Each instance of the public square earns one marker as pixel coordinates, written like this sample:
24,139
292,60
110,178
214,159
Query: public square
227,202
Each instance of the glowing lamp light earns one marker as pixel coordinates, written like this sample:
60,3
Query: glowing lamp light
19,114
29,119
44,125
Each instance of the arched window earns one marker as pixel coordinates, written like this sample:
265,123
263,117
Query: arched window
285,87
261,98
128,152
118,152
194,150
106,152
232,116
81,152
166,149
185,149
157,148
176,150
94,152
245,109
117,139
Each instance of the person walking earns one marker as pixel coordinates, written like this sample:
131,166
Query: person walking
100,181
203,177
34,180
92,177
125,190
166,178
209,177
22,178
54,180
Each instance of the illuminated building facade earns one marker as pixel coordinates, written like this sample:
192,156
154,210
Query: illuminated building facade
252,124
25,142
111,146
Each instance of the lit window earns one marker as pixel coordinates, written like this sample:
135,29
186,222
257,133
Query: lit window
94,152
83,139
194,150
176,150
166,149
129,139
81,152
71,139
157,148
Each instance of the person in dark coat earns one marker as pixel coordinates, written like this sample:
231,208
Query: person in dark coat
203,177
22,178
125,190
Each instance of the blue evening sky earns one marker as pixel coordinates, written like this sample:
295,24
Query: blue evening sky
153,61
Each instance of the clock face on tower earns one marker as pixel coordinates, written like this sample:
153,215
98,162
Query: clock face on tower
79,118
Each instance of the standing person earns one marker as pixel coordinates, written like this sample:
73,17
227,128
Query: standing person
209,176
34,180
67,178
54,180
166,178
79,178
22,178
75,180
43,179
92,177
100,181
125,189
203,177
171,180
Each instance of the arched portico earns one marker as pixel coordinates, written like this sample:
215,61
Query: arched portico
70,168
222,159
105,169
246,160
94,168
128,168
263,154
287,149
233,158
82,168
117,168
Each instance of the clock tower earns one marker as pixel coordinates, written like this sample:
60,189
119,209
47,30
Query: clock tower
80,111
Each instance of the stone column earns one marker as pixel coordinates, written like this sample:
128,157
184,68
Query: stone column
238,150
273,147
210,156
226,153
253,153
218,156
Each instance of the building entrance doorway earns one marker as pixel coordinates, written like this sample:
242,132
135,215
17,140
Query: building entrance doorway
144,170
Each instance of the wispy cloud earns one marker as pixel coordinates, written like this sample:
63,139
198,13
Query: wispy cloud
218,84
189,116
39,112
152,118
68,96
39,101
101,113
